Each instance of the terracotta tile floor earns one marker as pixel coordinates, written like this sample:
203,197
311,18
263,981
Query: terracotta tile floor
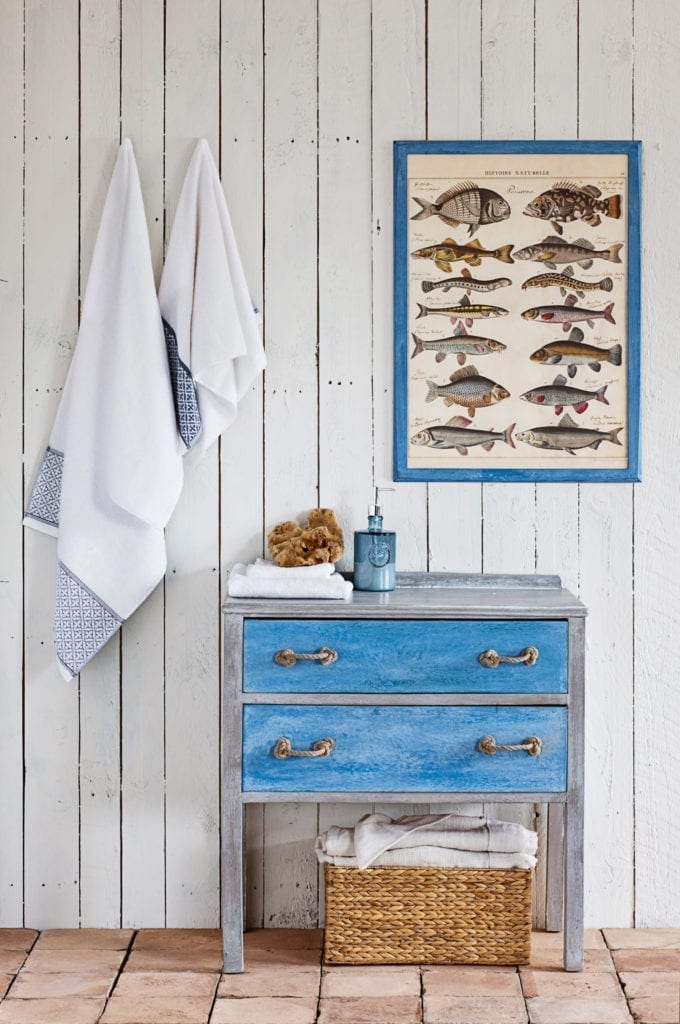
154,976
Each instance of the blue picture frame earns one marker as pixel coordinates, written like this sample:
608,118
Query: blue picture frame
402,212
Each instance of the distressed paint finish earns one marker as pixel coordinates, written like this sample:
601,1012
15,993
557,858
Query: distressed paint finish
430,70
403,657
403,749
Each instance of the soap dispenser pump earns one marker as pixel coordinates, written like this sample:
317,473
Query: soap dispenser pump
375,551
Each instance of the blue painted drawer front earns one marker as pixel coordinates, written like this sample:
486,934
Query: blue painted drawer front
405,656
395,749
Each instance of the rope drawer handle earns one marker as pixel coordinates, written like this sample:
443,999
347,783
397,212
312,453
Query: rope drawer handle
532,744
491,659
283,748
287,657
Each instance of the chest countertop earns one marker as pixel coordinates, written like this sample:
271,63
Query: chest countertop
430,596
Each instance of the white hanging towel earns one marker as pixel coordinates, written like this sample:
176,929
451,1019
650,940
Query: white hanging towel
211,328
112,472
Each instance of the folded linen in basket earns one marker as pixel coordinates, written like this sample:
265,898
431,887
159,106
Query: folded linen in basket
262,569
374,834
435,857
334,587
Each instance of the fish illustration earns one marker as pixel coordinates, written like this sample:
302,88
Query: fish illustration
467,281
567,437
566,202
467,388
449,251
465,311
553,250
465,203
567,282
559,395
458,434
460,344
573,353
568,314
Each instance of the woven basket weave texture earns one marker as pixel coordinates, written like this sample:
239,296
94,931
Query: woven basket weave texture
392,915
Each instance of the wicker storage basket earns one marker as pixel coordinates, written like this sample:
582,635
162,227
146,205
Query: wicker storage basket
392,915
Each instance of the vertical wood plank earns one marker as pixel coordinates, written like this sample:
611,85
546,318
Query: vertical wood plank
454,109
556,114
291,382
100,902
345,300
399,83
11,446
192,671
657,587
398,103
557,505
454,112
143,683
508,510
606,529
242,447
345,297
51,319
290,158
655,540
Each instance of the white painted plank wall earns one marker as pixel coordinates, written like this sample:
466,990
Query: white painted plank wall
143,636
99,688
51,244
116,821
657,540
606,534
11,468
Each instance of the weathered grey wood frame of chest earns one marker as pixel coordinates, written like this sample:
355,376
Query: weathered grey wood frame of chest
258,694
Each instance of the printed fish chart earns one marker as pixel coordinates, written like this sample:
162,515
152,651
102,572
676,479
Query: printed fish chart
517,311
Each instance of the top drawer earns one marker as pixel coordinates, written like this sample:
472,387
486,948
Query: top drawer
405,656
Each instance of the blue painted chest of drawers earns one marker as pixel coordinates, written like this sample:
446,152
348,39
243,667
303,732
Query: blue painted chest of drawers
410,695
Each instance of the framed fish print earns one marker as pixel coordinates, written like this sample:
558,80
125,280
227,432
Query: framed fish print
517,311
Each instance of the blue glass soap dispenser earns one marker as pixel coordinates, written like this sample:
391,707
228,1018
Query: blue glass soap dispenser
375,551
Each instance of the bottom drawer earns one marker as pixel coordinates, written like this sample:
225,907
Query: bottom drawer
401,749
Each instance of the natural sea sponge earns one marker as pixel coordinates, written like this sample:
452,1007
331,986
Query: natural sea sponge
319,541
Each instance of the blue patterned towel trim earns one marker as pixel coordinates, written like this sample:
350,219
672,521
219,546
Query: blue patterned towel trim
45,499
83,623
183,391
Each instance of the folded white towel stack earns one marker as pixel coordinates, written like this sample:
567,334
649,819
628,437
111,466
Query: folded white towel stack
429,840
211,329
112,472
264,579
264,570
